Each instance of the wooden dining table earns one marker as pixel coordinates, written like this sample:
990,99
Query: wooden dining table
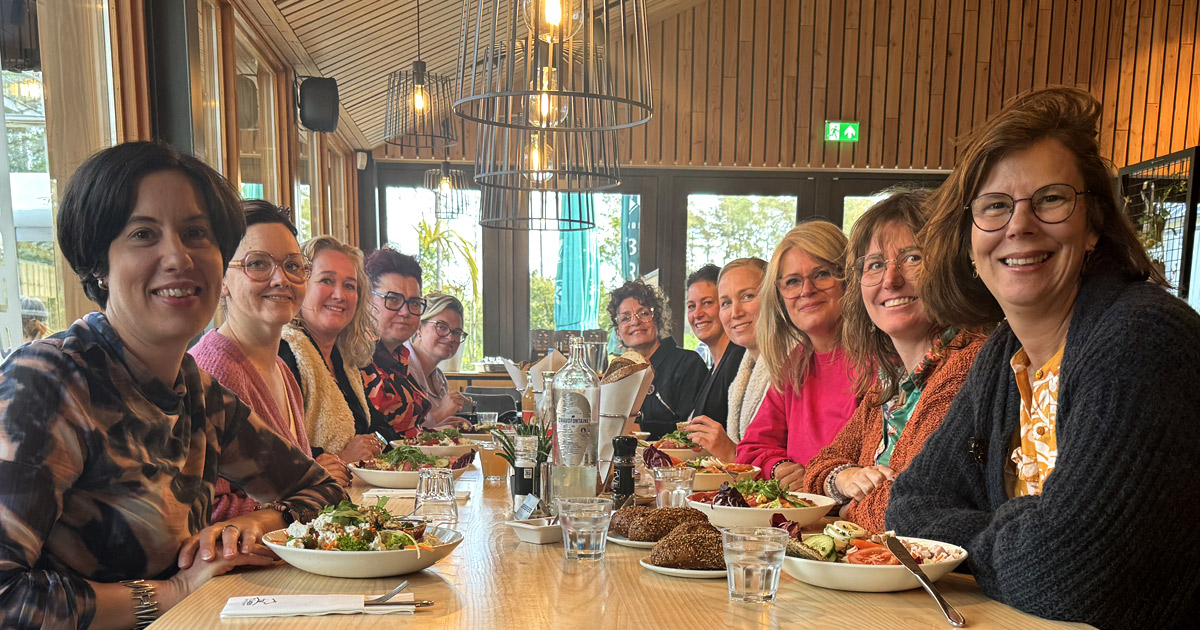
492,580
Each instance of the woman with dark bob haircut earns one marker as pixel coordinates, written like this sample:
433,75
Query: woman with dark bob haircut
640,319
111,439
1074,428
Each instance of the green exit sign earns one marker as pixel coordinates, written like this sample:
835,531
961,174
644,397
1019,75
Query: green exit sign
841,131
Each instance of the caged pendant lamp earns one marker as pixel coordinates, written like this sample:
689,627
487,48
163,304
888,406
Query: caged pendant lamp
419,112
449,186
506,209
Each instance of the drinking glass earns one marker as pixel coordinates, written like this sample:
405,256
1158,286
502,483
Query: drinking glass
585,526
435,497
753,560
672,486
486,417
494,467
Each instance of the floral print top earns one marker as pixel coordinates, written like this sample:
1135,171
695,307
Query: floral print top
1034,458
393,390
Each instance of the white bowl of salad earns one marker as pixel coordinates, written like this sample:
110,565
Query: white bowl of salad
846,557
444,443
679,446
398,467
353,541
750,503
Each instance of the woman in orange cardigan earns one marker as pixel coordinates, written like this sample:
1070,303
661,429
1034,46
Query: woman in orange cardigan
908,367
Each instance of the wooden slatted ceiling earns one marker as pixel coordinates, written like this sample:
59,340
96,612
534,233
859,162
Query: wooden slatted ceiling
750,83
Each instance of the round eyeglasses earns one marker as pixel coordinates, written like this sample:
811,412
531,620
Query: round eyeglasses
871,269
1051,204
443,330
641,316
260,266
393,301
822,279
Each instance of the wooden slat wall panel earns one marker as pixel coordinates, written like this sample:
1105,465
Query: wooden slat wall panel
749,83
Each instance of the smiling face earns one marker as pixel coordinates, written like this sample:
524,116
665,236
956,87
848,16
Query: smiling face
737,299
636,333
894,304
332,297
703,313
1033,268
164,267
272,302
395,327
817,313
440,348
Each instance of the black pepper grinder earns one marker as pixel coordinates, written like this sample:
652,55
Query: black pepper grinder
624,448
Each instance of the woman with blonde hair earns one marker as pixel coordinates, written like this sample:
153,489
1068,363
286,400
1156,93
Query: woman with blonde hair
800,340
438,338
738,286
326,345
1075,428
909,367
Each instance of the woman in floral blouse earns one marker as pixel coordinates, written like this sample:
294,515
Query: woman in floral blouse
111,439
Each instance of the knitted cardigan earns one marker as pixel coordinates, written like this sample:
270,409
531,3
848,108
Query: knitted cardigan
858,440
330,421
746,394
221,357
1104,543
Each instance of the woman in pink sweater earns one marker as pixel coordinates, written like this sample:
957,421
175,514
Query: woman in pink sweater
262,290
799,337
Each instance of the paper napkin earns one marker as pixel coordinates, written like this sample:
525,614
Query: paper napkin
312,605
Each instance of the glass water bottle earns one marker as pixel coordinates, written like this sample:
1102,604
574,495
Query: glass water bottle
576,400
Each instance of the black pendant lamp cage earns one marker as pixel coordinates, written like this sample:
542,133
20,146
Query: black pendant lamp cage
449,186
575,65
420,105
507,209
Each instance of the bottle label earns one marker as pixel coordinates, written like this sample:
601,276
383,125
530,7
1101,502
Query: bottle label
576,431
623,480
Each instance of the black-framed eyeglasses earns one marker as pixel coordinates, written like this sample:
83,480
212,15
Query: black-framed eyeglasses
871,269
821,279
443,330
260,266
645,314
1051,204
393,301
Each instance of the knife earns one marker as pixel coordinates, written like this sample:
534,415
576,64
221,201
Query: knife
901,552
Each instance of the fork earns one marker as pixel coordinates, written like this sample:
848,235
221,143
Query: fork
386,596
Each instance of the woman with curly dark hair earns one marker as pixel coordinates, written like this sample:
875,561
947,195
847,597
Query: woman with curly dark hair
640,319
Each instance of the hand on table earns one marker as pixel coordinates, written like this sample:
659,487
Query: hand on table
360,447
336,468
790,475
708,433
857,483
237,540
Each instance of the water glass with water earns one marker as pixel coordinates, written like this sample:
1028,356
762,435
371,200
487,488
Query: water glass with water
435,497
753,561
585,526
673,486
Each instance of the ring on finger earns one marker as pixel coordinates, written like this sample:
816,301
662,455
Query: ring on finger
235,527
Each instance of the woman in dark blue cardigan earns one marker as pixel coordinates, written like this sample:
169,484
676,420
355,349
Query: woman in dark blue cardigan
1062,465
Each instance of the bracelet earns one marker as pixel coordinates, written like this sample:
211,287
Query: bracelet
145,607
284,511
831,490
776,466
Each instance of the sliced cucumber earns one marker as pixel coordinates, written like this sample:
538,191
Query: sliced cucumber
824,545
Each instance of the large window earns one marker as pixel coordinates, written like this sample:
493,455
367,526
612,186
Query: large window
306,185
209,120
721,228
254,86
571,274
449,252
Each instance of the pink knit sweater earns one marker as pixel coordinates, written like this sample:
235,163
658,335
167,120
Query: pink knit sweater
795,425
224,360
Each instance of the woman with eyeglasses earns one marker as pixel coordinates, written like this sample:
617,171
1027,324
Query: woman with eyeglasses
438,338
800,339
262,290
908,366
639,317
1076,426
396,302
325,346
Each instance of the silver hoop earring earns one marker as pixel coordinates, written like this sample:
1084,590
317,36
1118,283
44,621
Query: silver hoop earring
974,270
100,283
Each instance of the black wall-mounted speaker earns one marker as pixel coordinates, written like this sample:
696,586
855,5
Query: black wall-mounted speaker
319,104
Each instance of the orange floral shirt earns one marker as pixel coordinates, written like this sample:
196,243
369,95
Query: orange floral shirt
1034,458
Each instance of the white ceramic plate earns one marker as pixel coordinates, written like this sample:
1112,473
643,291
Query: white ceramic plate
362,564
684,573
442,451
866,578
625,542
726,516
394,478
707,482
